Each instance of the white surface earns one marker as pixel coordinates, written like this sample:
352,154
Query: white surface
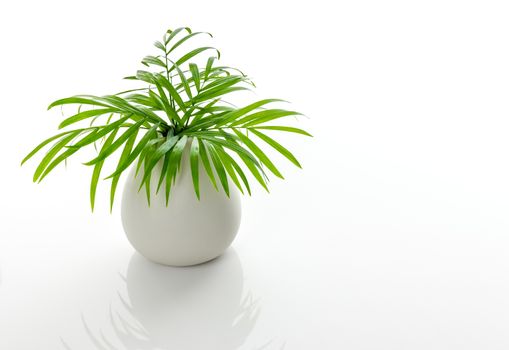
394,236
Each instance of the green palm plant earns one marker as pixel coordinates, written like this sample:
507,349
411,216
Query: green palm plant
177,106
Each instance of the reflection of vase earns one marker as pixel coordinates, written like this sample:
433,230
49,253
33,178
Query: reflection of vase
199,307
186,232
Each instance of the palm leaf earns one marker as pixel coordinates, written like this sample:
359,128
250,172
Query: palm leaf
134,154
191,54
174,33
173,165
97,169
153,60
283,128
156,156
45,142
218,165
263,117
206,162
226,160
125,153
79,99
233,115
193,160
84,115
277,147
52,153
174,105
259,153
184,39
112,147
195,74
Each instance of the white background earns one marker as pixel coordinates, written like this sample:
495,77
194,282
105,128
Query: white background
393,236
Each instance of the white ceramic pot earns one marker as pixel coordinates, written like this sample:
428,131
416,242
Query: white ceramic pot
186,232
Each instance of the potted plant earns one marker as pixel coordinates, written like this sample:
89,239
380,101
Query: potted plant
188,149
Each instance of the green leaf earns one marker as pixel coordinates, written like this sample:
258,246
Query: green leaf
284,128
52,153
220,93
57,161
207,109
148,179
239,171
169,176
146,152
164,148
178,149
263,117
79,99
194,158
214,124
137,150
233,115
168,109
241,151
123,157
97,169
184,39
70,151
160,46
226,160
162,99
173,33
84,115
153,60
171,89
44,143
98,133
163,171
159,81
187,115
220,171
191,54
196,75
252,164
136,111
106,152
206,163
259,153
210,62
154,100
183,80
254,171
222,82
145,76
174,165
278,147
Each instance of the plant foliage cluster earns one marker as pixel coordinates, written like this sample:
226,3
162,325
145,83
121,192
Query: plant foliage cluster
181,103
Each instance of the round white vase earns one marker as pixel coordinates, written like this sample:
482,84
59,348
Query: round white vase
186,232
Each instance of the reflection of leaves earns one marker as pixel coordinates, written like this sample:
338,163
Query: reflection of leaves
98,343
67,347
128,330
132,335
248,315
